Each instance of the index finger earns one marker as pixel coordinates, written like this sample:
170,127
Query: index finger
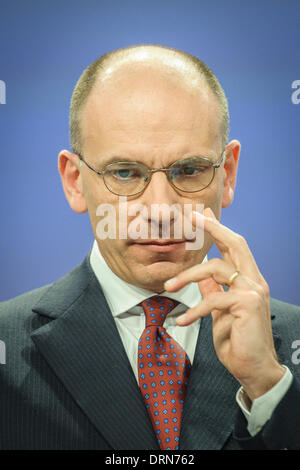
233,247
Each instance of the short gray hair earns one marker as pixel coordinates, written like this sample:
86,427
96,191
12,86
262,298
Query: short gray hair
88,78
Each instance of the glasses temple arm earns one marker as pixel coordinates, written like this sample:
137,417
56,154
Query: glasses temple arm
217,165
81,161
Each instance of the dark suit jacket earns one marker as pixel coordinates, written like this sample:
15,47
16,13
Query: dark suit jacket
67,382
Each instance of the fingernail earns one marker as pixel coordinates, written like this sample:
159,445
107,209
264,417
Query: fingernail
197,214
181,319
171,282
200,217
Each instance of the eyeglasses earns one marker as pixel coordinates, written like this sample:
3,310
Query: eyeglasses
130,178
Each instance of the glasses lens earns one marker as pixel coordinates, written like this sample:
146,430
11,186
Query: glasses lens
191,174
125,178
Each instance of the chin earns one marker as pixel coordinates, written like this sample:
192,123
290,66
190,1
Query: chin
153,277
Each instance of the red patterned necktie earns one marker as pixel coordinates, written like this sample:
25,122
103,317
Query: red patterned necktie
164,370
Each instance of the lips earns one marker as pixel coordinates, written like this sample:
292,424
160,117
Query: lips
159,246
158,242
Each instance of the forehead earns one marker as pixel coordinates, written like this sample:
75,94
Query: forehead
147,106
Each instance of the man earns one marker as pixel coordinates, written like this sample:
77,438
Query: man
86,368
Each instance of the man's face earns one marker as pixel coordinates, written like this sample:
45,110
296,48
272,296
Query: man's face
146,115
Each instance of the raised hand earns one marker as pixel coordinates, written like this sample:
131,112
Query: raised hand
242,330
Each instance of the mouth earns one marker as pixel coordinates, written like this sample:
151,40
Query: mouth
159,246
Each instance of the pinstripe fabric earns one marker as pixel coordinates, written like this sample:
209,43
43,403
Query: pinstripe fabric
36,410
59,391
215,385
97,381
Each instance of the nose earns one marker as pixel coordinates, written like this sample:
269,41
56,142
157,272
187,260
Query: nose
159,190
162,202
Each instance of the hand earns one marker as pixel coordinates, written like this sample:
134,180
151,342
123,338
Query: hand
242,331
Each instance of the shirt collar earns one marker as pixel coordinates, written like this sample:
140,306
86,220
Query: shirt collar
122,296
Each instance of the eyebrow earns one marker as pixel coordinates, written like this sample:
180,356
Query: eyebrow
116,158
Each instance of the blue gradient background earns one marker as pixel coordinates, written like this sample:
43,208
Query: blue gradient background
253,48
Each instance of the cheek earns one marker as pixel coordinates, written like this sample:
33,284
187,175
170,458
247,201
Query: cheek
111,249
215,197
210,197
100,202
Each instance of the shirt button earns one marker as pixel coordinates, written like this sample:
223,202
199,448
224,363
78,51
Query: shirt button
258,428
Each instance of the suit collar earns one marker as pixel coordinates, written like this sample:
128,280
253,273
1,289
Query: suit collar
102,384
65,291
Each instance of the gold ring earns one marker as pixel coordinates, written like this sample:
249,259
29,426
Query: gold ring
232,277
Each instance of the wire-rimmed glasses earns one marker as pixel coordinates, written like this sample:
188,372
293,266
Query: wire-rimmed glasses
126,178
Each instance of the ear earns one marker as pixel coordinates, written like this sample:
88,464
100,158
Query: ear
69,169
230,166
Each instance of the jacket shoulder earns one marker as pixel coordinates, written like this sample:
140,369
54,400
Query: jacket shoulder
284,311
12,309
55,295
285,319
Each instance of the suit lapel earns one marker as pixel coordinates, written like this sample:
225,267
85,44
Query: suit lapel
83,347
210,407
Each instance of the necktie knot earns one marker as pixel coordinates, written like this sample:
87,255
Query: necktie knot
156,309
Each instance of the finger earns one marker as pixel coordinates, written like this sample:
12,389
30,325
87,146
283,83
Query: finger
223,301
233,247
211,302
207,287
217,269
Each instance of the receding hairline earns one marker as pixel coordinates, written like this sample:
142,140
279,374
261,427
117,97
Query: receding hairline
188,66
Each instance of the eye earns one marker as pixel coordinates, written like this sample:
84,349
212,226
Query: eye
123,173
190,170
186,169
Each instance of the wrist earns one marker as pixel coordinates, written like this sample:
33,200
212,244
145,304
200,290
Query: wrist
263,381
